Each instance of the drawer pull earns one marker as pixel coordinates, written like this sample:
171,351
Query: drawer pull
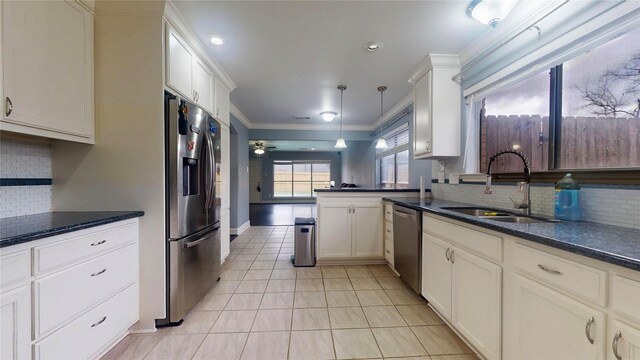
614,345
99,272
99,322
587,329
99,243
388,252
550,271
388,230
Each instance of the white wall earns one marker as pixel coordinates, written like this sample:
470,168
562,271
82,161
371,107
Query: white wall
124,170
358,164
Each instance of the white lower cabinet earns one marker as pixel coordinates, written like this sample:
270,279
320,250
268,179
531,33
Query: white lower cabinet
466,290
353,230
549,325
623,341
15,324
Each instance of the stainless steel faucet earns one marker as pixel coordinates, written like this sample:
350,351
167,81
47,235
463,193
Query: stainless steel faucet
523,186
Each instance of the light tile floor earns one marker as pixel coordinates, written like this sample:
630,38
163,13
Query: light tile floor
264,308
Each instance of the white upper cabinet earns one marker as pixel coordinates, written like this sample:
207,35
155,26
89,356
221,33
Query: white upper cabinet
47,69
222,102
436,115
187,73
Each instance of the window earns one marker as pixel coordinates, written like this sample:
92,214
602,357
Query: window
581,115
299,178
394,161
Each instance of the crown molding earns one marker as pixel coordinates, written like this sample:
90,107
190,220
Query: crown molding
434,61
312,127
240,116
173,16
406,101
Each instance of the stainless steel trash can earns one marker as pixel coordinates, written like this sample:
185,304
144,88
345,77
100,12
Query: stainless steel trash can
304,248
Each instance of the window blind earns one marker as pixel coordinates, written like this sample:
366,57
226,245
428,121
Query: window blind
397,141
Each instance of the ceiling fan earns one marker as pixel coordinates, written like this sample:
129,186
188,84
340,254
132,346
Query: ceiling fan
259,148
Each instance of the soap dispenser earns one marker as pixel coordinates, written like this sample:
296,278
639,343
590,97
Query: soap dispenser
567,204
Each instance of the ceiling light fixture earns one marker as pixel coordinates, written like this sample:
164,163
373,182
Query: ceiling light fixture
259,151
216,40
381,143
328,115
372,46
340,143
490,12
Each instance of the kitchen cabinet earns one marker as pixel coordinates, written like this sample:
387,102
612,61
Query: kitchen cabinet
15,324
225,188
388,233
466,290
623,341
186,73
436,115
550,325
222,108
350,230
47,69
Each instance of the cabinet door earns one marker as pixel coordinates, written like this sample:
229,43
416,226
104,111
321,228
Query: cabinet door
436,274
179,64
222,102
625,340
422,138
15,324
476,301
47,56
334,231
550,325
203,84
367,231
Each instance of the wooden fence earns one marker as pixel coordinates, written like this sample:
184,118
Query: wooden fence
587,142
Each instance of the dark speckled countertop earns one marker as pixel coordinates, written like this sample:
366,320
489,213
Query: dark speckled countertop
332,190
612,244
20,229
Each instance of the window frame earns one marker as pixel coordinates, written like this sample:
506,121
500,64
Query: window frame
601,176
395,150
293,181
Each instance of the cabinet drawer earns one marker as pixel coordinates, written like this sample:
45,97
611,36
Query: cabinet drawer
388,212
625,297
74,250
65,294
481,243
388,231
87,335
14,268
581,280
388,252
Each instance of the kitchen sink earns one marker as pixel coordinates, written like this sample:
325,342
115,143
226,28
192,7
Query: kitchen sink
479,212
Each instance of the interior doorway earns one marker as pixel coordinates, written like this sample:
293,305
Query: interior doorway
255,185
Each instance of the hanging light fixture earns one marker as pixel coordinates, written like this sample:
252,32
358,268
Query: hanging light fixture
340,143
381,143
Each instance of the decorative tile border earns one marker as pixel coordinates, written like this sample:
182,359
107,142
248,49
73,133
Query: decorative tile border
24,182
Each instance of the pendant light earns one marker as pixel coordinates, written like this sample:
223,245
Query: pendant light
381,143
340,144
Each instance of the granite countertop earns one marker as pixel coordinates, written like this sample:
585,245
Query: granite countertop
20,229
612,244
367,190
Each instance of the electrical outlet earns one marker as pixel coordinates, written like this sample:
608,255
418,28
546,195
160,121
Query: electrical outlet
454,178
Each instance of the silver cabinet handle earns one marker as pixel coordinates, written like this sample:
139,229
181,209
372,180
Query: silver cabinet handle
451,256
614,344
8,106
99,321
550,271
446,254
587,329
99,272
98,243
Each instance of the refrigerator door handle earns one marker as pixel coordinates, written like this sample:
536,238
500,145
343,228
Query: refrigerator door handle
212,166
194,243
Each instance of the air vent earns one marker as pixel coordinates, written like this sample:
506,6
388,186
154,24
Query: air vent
302,117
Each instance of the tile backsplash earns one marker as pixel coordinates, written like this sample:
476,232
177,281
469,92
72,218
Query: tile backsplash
24,158
611,205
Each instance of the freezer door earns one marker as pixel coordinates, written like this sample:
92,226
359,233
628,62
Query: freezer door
194,267
190,168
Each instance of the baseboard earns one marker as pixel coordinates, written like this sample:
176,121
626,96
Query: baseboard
241,229
351,262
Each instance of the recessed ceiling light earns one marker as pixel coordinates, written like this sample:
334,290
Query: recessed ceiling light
216,40
328,115
372,46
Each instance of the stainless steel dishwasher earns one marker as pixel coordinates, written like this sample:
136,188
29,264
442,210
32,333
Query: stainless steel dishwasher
407,245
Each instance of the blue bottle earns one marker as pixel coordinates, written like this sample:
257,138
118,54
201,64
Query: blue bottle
567,206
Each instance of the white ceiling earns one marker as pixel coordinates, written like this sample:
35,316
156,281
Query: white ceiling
287,57
296,145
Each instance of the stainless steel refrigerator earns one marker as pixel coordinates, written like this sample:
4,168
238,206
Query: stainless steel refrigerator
192,163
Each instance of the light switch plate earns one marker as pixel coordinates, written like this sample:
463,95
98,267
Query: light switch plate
441,177
454,178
